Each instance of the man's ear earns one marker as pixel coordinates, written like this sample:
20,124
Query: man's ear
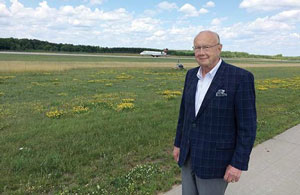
220,47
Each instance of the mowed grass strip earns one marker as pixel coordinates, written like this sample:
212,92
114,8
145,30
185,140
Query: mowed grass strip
61,62
110,130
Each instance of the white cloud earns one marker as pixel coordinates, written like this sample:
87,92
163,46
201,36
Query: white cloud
165,5
144,24
267,5
267,24
118,14
191,11
295,35
3,10
149,12
181,37
185,31
159,35
96,2
68,24
260,36
17,9
203,11
290,15
218,21
177,31
43,11
67,10
209,4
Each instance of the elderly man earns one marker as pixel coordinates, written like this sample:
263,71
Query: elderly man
217,121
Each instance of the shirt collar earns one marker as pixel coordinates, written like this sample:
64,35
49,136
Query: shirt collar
212,72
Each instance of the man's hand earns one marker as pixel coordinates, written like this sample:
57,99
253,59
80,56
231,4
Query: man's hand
176,152
232,174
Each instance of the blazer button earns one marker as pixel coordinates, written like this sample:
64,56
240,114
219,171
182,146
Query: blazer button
194,125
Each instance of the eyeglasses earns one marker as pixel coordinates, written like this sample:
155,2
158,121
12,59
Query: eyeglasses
204,48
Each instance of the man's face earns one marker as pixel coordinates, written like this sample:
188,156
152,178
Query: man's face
207,50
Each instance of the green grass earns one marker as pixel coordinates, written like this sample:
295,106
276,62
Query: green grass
99,148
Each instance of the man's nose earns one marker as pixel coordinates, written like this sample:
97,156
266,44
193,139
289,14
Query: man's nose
201,52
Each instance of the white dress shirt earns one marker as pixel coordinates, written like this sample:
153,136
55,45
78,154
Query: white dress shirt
203,85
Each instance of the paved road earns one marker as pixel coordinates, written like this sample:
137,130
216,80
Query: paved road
91,55
274,168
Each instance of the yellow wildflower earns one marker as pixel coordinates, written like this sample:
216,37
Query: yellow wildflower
262,88
6,77
128,100
168,94
125,106
80,109
55,114
124,76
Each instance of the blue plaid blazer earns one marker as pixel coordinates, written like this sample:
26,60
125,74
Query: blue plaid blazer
224,130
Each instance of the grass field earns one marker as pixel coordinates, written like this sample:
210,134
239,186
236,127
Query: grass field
109,130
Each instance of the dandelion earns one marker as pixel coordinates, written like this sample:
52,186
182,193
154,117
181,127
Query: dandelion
80,109
168,94
36,83
291,83
98,81
124,76
38,107
128,100
101,72
6,77
125,106
262,88
276,81
54,114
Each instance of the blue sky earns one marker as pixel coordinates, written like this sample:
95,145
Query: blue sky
254,26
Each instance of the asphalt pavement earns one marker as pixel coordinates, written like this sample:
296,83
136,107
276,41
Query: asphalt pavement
274,168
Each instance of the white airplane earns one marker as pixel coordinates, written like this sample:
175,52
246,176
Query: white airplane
153,53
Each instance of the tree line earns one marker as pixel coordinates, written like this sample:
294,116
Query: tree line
230,54
14,44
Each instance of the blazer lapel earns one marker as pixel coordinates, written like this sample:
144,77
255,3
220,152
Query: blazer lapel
193,87
214,86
